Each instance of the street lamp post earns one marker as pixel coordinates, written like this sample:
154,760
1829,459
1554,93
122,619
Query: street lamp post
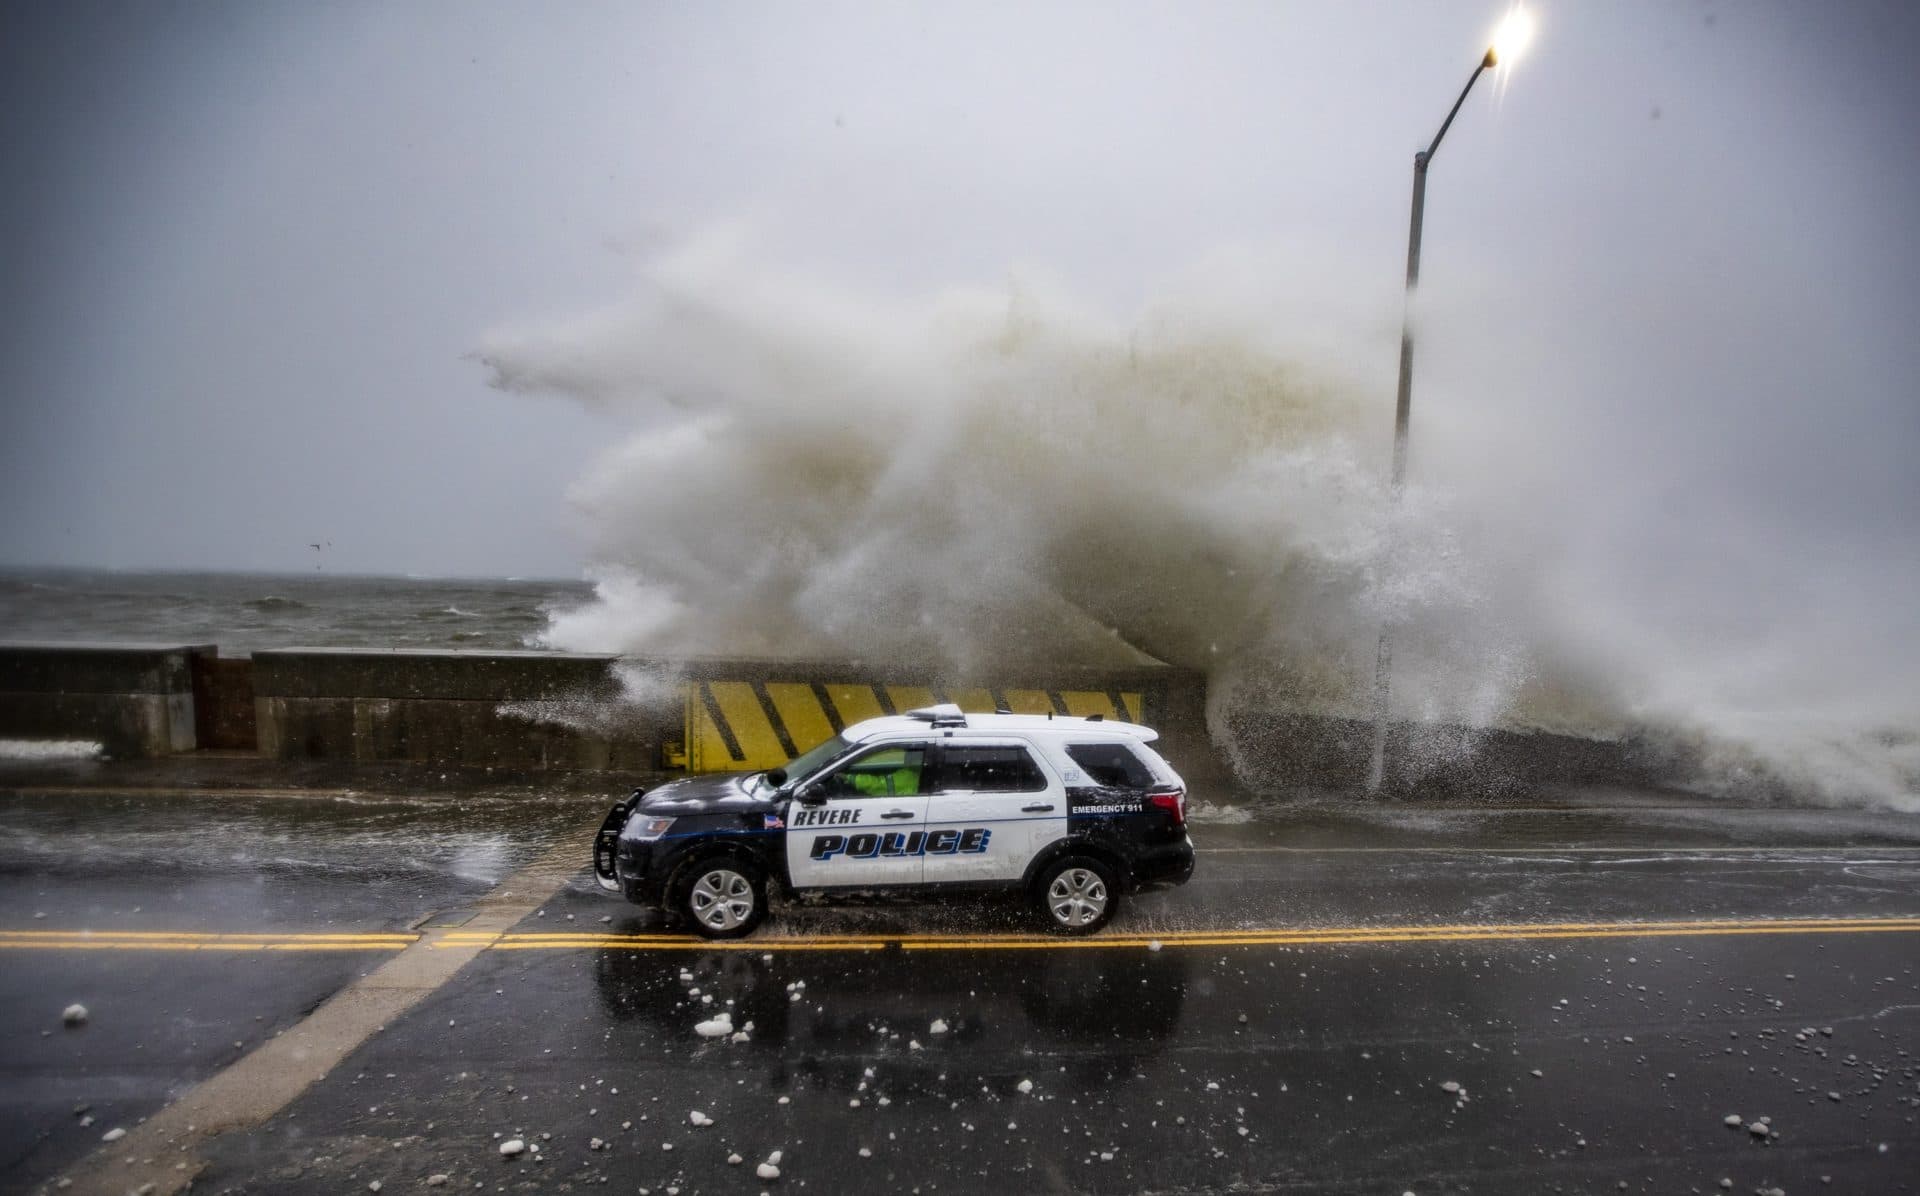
1512,37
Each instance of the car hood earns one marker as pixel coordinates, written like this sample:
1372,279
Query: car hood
723,793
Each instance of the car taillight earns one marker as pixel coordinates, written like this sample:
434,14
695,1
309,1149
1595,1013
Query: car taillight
1173,801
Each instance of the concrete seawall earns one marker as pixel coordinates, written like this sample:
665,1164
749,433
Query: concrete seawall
543,711
132,699
457,708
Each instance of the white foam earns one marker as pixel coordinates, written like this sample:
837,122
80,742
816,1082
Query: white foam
49,749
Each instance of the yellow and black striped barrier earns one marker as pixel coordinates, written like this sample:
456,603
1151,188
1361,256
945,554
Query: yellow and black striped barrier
734,725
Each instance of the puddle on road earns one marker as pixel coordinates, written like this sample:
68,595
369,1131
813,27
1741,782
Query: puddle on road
479,841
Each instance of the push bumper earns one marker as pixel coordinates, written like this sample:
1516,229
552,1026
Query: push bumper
641,874
624,866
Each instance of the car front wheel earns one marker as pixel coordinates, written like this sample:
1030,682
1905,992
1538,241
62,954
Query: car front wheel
1076,895
724,898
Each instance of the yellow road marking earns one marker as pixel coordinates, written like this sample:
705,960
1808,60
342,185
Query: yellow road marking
553,940
162,940
180,940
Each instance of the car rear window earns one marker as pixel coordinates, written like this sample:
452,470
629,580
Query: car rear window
1111,764
986,769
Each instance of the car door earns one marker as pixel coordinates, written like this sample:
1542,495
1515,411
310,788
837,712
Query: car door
994,804
860,825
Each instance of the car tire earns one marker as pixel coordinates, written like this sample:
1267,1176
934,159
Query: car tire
1076,894
721,897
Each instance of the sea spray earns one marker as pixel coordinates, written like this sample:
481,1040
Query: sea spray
977,478
646,693
984,476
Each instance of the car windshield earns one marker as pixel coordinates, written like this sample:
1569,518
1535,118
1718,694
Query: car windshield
814,759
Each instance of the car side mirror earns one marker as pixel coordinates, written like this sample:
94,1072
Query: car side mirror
776,777
811,795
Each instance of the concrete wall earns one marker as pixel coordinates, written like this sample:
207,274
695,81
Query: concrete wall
223,703
133,699
510,710
534,711
1285,750
541,710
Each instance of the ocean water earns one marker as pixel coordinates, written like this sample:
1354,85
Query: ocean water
244,612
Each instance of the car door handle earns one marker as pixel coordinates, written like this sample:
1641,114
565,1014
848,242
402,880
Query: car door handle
898,814
1035,809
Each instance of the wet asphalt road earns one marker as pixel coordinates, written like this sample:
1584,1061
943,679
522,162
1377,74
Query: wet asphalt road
1254,1066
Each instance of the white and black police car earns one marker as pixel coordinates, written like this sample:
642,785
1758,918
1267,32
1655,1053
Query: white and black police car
1072,812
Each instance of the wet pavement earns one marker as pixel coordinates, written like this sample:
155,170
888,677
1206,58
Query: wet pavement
1209,1045
161,1021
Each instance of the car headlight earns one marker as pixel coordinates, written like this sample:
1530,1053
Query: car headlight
648,829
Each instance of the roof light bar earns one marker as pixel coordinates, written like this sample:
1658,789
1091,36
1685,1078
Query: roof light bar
944,715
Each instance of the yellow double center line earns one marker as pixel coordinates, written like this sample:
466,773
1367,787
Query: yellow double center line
150,940
561,940
170,940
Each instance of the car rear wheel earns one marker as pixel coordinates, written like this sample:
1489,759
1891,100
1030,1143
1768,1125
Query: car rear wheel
723,897
1076,895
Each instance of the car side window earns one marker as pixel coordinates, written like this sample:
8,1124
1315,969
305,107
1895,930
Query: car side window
893,770
985,769
1111,765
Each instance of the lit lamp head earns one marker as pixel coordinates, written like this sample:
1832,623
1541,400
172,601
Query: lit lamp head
1510,40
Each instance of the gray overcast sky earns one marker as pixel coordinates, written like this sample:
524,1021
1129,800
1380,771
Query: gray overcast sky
248,246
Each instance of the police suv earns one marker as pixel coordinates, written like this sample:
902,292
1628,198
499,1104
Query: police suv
1073,812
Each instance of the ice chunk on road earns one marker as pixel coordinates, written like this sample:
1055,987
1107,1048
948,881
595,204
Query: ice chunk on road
74,1014
512,1147
1025,1086
699,1118
113,1135
939,1026
1731,1121
767,1171
718,1026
